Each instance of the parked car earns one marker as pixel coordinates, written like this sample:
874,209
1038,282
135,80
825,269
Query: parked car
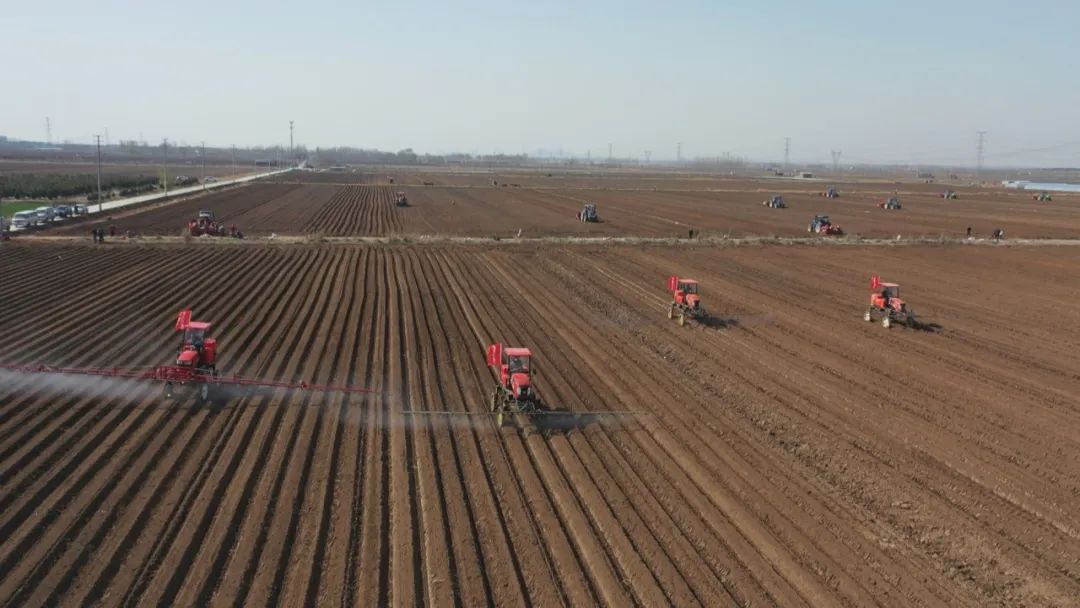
62,211
45,215
24,220
79,209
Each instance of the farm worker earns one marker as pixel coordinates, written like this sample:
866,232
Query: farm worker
885,297
112,229
969,232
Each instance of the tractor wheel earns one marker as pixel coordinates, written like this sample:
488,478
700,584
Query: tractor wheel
885,322
494,400
671,312
204,392
866,316
499,420
168,390
682,319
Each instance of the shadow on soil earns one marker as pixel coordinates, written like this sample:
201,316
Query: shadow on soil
718,322
927,327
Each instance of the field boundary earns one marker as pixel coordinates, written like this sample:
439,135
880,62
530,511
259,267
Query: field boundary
706,241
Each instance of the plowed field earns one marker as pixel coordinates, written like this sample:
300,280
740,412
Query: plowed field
263,209
786,453
710,206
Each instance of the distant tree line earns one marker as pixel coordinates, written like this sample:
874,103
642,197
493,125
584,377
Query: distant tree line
61,185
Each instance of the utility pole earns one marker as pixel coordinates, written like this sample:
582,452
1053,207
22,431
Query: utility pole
98,137
204,165
290,141
836,161
234,158
106,137
979,136
165,167
787,153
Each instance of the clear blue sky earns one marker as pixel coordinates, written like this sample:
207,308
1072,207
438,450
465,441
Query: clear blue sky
881,81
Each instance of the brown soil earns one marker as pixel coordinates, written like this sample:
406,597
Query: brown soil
786,452
646,205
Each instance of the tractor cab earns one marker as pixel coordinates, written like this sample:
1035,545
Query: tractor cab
588,213
885,295
886,304
206,214
684,292
687,286
197,349
515,369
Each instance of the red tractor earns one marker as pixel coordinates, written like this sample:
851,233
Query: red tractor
195,366
196,363
515,393
204,224
685,301
886,304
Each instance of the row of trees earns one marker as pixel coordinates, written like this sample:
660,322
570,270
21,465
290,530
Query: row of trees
61,185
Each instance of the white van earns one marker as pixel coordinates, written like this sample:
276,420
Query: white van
45,215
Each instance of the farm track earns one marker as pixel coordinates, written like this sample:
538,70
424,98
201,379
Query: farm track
786,453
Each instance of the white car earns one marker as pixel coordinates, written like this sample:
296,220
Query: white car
24,220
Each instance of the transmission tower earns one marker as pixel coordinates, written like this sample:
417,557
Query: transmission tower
678,152
836,161
48,131
165,165
787,153
290,141
609,153
979,136
98,138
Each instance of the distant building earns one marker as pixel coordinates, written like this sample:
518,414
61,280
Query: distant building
805,175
